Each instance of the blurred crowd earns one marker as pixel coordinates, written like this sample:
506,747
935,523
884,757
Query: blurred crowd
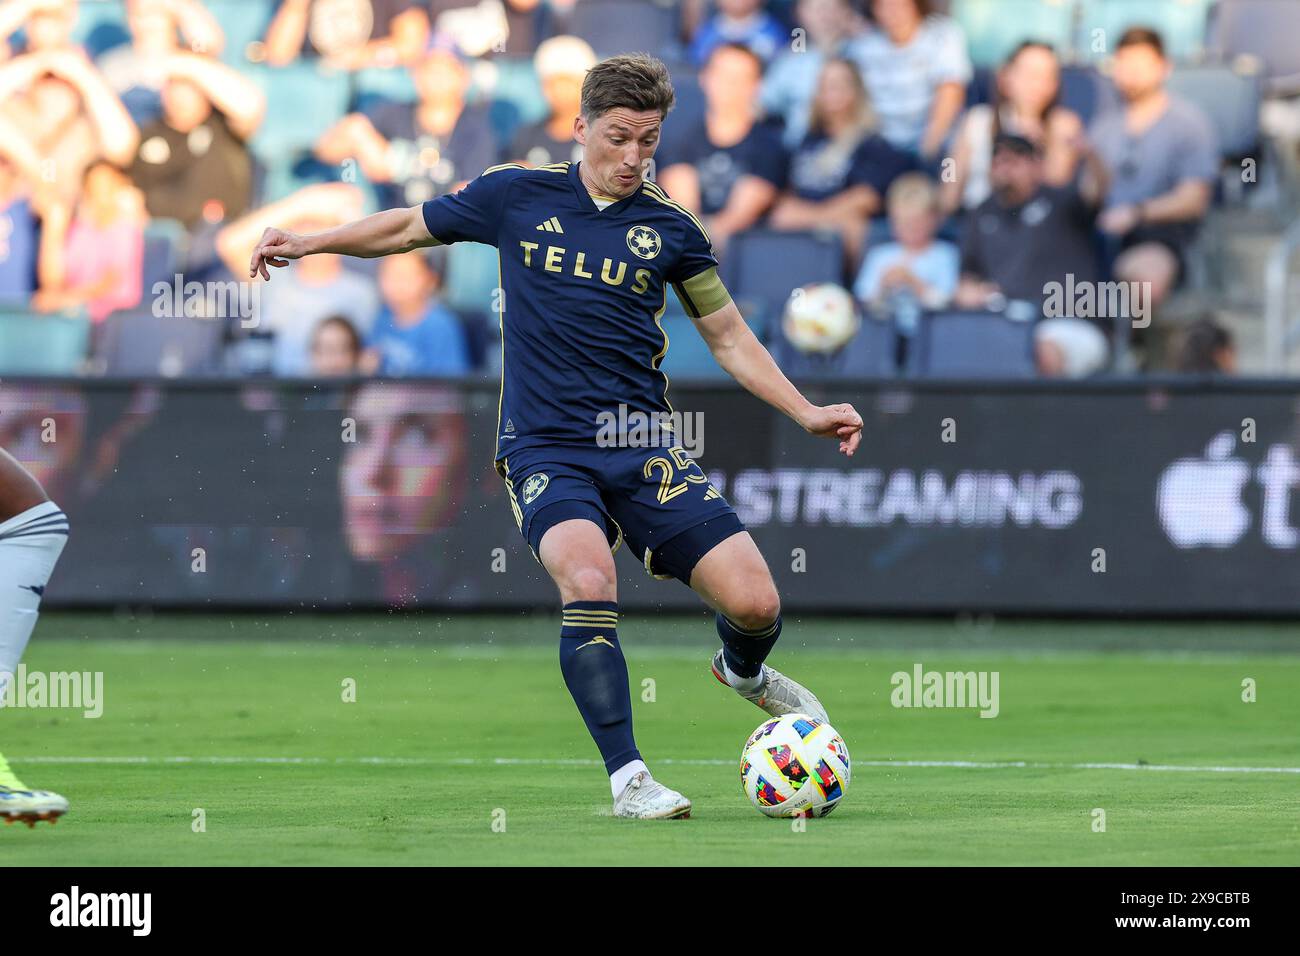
151,141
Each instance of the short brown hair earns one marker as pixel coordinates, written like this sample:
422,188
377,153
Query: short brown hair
634,81
1142,36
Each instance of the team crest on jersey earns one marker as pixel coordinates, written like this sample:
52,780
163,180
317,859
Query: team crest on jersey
644,242
534,485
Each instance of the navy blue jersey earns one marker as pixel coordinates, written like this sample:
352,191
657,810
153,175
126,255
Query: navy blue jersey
583,290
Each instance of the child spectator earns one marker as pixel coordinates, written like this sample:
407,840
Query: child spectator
335,348
415,333
916,271
94,258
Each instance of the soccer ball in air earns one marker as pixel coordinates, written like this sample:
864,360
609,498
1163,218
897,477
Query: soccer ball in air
794,766
820,318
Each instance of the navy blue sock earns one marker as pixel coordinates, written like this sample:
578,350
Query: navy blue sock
745,651
596,675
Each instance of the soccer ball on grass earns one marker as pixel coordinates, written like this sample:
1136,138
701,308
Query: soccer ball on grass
794,766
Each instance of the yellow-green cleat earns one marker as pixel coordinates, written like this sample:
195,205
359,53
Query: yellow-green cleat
21,804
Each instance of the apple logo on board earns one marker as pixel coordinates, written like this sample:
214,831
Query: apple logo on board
1199,499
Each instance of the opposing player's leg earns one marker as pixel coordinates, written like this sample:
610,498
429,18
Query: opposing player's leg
33,531
734,580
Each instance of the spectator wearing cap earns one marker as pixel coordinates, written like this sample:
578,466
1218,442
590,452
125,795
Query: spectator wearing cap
742,22
1029,236
348,34
1162,157
842,169
830,28
415,334
418,151
916,67
728,167
561,64
1027,103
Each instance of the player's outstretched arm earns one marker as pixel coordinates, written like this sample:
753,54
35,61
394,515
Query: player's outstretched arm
743,357
381,234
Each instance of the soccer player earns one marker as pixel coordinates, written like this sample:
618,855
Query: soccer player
587,252
33,531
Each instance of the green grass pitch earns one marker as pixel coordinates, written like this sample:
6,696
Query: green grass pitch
461,722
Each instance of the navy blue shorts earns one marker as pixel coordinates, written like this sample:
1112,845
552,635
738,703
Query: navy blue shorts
658,500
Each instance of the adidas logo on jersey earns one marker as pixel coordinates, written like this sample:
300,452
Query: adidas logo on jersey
551,225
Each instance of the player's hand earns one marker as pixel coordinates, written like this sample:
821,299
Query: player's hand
835,421
275,248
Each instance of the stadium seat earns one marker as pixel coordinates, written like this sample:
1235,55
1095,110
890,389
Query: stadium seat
302,102
141,343
690,106
869,354
996,27
688,354
1087,92
971,344
165,242
759,289
511,81
42,344
473,272
621,26
1268,30
376,84
1182,25
1231,98
243,22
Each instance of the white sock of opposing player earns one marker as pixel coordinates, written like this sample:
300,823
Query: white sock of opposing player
30,544
618,780
745,685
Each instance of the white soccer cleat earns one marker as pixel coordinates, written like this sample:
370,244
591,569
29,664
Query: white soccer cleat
778,695
31,806
646,799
